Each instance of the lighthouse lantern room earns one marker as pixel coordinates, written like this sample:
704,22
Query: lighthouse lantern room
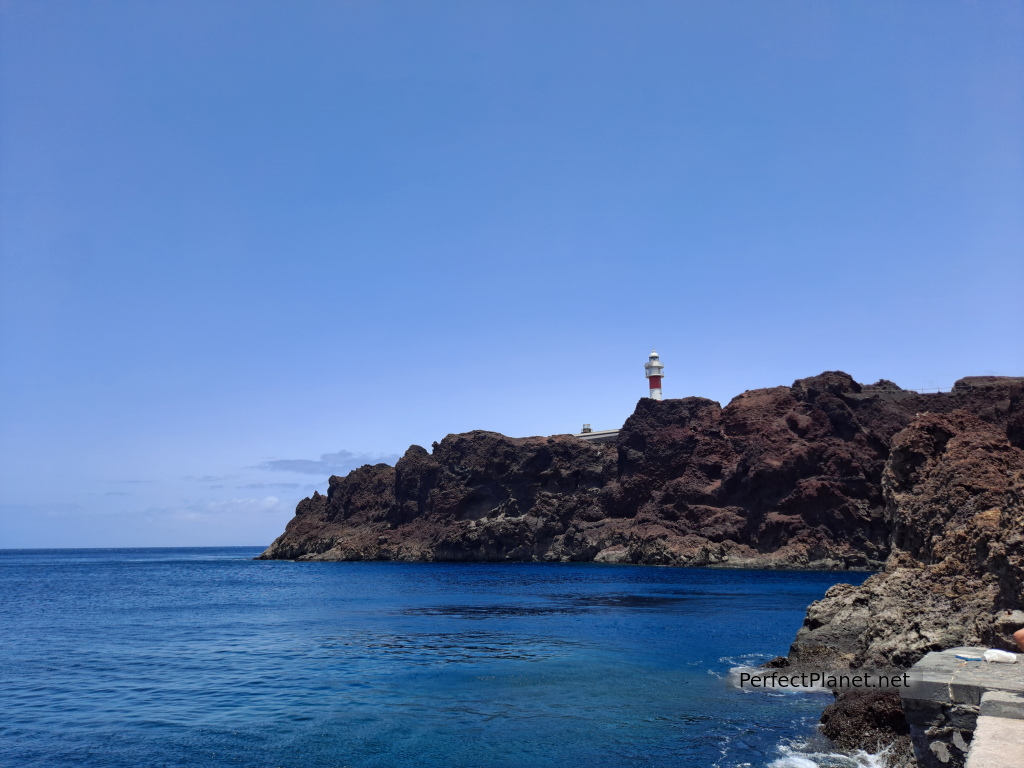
654,370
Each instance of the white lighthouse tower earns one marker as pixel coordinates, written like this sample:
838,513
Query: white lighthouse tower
654,370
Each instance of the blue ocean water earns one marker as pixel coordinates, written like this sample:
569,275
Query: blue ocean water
203,657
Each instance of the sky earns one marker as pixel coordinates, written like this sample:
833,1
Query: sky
246,245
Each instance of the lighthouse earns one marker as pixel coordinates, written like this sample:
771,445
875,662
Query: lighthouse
654,370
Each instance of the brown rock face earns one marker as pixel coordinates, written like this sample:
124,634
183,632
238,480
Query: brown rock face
955,510
953,487
869,721
785,477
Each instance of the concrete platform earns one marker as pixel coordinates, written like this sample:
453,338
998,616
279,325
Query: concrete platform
998,741
966,714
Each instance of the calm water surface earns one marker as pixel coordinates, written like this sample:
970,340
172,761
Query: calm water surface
203,657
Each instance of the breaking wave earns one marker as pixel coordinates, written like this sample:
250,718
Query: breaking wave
801,754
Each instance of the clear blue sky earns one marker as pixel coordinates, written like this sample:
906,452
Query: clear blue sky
246,244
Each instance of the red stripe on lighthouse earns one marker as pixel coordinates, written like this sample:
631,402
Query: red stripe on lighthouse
655,382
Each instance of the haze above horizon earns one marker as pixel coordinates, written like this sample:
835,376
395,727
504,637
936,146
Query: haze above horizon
244,245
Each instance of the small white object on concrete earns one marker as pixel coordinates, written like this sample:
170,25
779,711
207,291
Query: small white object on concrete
1001,657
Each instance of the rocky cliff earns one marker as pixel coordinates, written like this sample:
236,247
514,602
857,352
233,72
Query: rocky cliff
954,492
953,487
790,477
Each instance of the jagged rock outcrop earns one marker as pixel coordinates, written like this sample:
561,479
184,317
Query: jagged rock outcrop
954,492
869,721
953,487
785,477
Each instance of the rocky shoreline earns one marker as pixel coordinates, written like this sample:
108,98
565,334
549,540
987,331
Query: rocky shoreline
954,490
786,477
926,489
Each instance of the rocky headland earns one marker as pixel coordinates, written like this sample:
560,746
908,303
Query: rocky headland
954,493
926,489
786,477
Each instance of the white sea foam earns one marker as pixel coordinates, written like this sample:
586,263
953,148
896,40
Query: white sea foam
793,761
745,659
805,755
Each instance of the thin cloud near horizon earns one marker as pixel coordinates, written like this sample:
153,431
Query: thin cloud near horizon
338,463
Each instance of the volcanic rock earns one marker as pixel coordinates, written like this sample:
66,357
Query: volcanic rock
786,477
869,721
954,492
953,487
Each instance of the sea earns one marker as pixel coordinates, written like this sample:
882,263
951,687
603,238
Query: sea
145,658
